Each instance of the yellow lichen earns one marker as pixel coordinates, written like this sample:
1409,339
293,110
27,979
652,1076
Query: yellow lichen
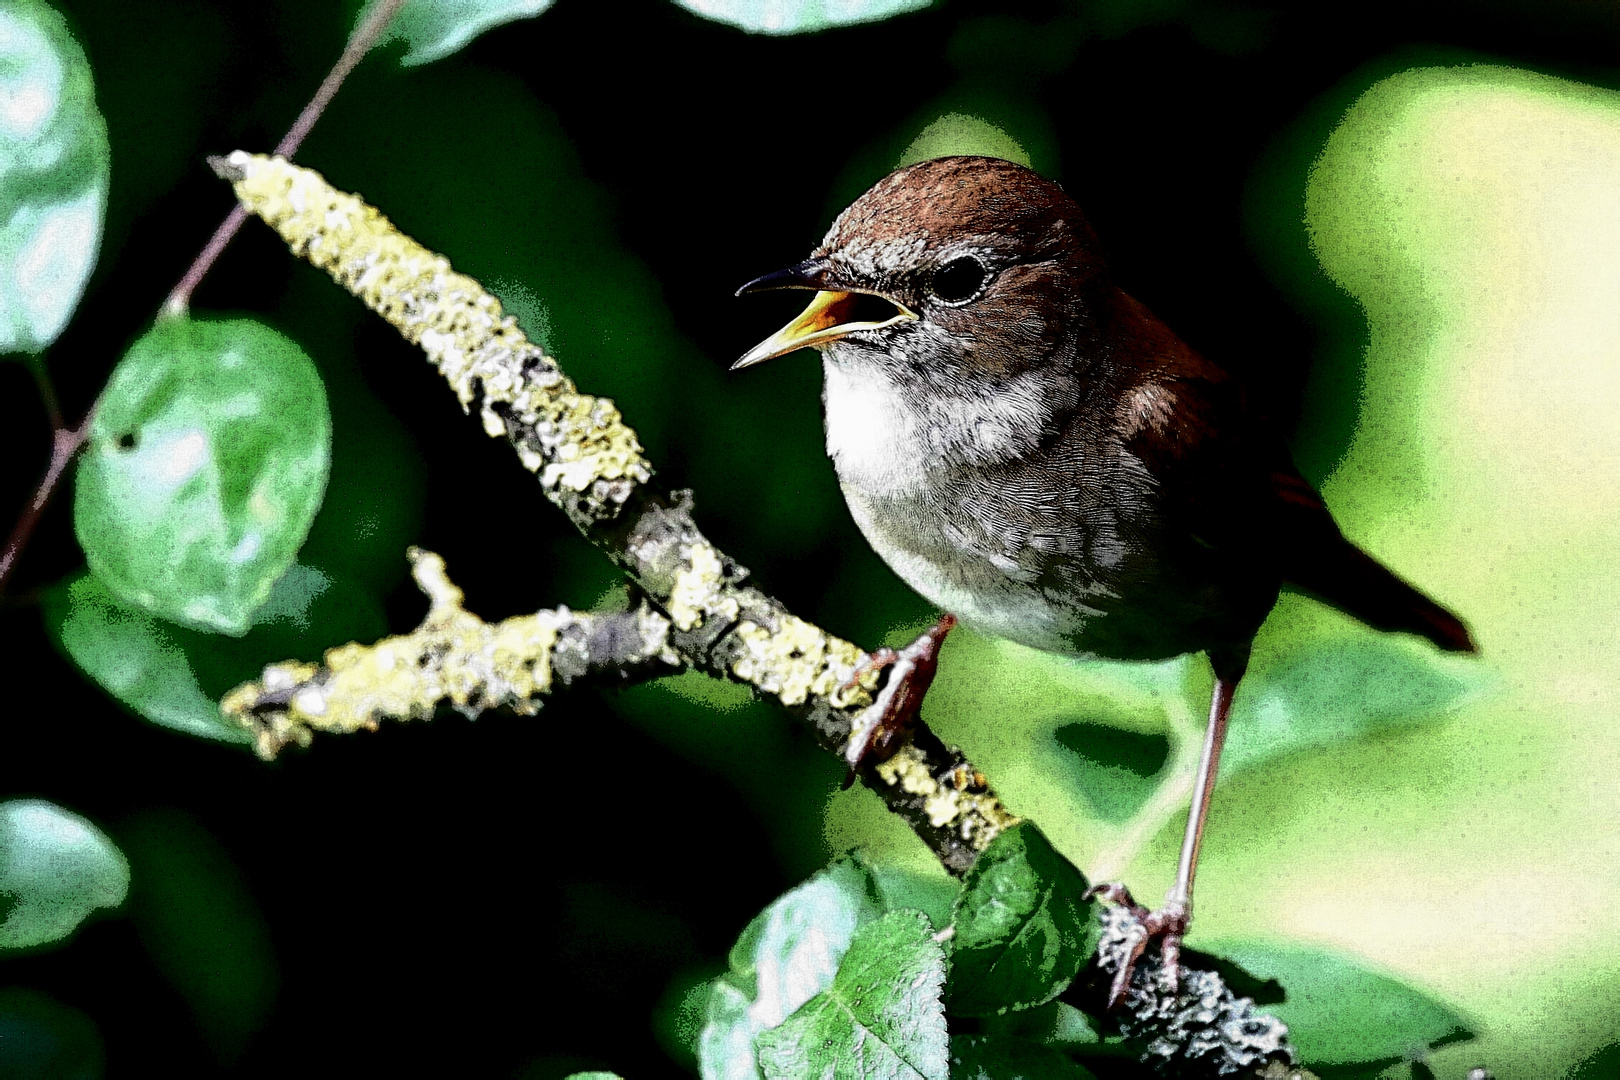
977,817
799,660
454,657
699,591
577,442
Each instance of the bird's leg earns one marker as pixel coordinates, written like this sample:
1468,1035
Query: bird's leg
876,733
1169,923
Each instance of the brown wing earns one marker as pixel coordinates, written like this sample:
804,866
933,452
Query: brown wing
1228,483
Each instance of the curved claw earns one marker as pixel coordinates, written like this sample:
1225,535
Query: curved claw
1168,924
876,735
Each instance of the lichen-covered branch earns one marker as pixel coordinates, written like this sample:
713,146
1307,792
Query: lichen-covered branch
1191,1025
591,465
453,658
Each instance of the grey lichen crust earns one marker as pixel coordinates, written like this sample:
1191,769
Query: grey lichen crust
1197,1028
590,464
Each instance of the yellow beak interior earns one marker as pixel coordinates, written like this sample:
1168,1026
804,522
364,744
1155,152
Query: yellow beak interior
829,317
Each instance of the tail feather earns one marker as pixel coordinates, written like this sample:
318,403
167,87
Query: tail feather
1359,585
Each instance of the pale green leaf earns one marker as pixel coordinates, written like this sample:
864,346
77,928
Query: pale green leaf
53,175
798,16
434,29
55,869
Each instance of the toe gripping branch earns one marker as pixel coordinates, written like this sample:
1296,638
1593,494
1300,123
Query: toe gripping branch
1167,924
879,731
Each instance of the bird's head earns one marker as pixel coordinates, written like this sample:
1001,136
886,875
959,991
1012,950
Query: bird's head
953,268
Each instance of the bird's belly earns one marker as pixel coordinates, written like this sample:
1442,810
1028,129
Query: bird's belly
969,583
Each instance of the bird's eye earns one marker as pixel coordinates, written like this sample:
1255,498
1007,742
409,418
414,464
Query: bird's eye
959,280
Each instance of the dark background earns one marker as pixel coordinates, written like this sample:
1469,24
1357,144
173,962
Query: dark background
503,897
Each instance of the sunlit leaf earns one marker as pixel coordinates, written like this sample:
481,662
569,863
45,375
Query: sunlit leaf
43,1039
201,926
798,16
434,29
1341,687
1339,1012
55,869
53,175
787,955
206,463
1023,926
882,1016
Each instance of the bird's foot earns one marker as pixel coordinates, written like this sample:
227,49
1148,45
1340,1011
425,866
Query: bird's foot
877,732
1168,924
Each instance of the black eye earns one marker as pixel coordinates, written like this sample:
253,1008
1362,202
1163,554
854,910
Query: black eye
958,281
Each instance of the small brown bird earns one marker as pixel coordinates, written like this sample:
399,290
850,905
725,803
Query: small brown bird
1036,453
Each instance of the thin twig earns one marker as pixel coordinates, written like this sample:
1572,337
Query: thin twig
64,445
47,391
359,44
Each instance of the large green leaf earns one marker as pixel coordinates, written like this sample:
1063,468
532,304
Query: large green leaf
1323,690
43,1039
787,955
1023,927
55,869
881,1018
206,463
434,29
53,175
798,16
1339,1012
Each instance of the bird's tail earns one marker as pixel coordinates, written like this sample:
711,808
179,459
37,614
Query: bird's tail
1356,583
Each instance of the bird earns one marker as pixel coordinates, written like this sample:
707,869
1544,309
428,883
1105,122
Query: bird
1035,452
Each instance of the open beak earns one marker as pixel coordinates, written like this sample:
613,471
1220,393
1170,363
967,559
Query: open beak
830,316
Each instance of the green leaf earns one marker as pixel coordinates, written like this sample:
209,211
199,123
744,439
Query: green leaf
1003,1057
899,888
959,133
1056,1024
798,16
1023,927
133,657
174,676
882,1017
1340,1013
726,1044
1340,687
43,1039
787,955
201,926
434,29
55,869
206,463
53,175
1602,1063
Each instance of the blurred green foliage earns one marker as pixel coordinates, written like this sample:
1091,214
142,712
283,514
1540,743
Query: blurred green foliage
613,174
